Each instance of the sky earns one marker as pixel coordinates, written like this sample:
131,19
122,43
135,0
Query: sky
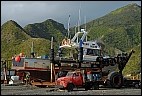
30,12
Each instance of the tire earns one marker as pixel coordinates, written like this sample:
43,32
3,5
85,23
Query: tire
70,87
31,82
136,85
87,86
107,84
115,79
62,88
95,86
41,86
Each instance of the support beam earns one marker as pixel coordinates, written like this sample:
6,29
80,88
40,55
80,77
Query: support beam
51,61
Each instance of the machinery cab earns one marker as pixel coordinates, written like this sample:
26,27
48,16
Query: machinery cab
91,51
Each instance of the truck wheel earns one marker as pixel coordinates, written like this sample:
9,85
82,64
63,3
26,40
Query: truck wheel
62,88
136,85
116,79
87,86
70,87
140,84
95,86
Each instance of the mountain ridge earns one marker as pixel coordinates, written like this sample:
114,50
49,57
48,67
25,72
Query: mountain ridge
46,29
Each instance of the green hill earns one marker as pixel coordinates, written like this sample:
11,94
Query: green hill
12,35
46,29
16,40
41,47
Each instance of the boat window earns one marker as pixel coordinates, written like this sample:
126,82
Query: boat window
93,44
93,52
89,52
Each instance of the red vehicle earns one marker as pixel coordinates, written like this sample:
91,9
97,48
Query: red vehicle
76,79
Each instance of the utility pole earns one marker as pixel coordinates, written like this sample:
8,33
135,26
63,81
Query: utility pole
32,48
5,72
52,59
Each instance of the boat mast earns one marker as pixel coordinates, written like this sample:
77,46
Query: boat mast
85,26
68,27
78,25
79,22
75,28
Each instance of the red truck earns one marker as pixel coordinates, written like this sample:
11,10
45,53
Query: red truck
76,79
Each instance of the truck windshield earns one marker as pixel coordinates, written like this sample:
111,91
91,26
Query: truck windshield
69,74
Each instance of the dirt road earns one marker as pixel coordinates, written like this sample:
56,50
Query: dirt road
31,90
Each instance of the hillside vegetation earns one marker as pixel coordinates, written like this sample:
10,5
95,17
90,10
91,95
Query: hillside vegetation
46,29
12,35
119,29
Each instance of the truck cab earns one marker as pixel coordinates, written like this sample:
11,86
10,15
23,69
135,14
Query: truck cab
71,80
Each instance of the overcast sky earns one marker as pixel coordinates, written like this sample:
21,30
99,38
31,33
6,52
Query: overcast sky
29,12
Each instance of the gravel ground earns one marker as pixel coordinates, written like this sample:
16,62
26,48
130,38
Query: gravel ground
31,90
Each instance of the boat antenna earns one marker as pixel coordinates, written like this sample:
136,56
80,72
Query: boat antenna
75,28
85,22
85,26
68,27
79,22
